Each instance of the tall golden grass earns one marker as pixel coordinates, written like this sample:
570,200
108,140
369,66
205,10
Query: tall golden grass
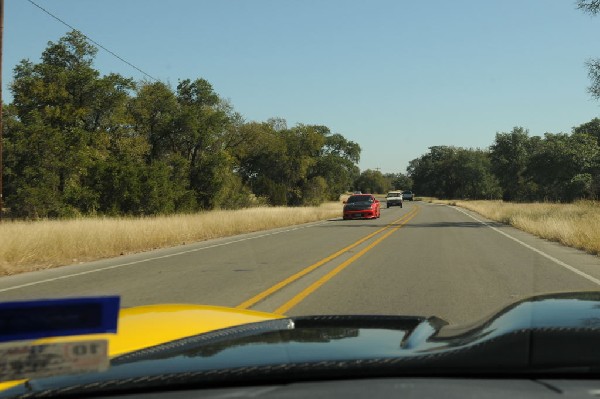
575,225
27,246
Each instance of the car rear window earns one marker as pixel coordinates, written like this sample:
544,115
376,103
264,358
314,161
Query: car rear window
360,198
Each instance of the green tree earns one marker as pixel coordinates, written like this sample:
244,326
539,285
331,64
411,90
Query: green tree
562,166
336,164
592,128
592,7
510,155
372,181
67,112
260,160
589,182
202,124
454,172
302,165
31,168
399,181
154,111
314,191
430,172
474,176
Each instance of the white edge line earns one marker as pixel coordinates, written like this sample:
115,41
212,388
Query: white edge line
49,280
537,251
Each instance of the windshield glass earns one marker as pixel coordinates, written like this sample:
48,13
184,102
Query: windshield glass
205,152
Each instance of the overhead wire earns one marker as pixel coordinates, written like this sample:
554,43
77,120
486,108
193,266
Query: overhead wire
93,41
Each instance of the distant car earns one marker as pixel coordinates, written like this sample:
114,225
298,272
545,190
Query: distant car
394,198
361,206
357,192
408,195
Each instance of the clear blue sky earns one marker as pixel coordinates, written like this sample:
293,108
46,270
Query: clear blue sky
395,76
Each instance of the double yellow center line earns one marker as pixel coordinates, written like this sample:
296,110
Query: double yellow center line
394,226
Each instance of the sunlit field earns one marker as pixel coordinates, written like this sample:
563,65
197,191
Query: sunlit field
576,225
27,246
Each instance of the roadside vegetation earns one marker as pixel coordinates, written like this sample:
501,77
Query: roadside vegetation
558,167
77,143
575,224
36,245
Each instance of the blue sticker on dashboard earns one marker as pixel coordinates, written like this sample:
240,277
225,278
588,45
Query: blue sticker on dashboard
58,317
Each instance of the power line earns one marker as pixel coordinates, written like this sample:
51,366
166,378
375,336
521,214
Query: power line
92,40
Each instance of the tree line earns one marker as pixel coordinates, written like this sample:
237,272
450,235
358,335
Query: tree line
78,143
519,167
516,167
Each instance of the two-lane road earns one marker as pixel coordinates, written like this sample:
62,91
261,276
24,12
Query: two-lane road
422,259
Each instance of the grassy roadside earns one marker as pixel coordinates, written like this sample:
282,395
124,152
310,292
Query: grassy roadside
27,246
575,225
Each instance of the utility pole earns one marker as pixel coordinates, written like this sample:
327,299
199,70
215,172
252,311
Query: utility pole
1,124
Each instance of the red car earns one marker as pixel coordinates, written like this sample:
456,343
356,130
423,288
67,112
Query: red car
361,206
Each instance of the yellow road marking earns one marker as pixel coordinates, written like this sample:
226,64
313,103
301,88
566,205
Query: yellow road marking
314,286
259,297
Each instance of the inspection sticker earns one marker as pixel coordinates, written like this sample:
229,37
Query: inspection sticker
23,360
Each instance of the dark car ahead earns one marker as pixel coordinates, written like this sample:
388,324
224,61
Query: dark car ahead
361,206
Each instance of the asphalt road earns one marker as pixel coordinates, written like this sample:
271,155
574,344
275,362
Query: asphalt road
422,259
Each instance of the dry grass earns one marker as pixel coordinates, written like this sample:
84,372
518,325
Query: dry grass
576,225
26,246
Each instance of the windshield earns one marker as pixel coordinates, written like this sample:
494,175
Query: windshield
205,153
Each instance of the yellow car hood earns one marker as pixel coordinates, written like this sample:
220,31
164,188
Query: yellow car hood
145,326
